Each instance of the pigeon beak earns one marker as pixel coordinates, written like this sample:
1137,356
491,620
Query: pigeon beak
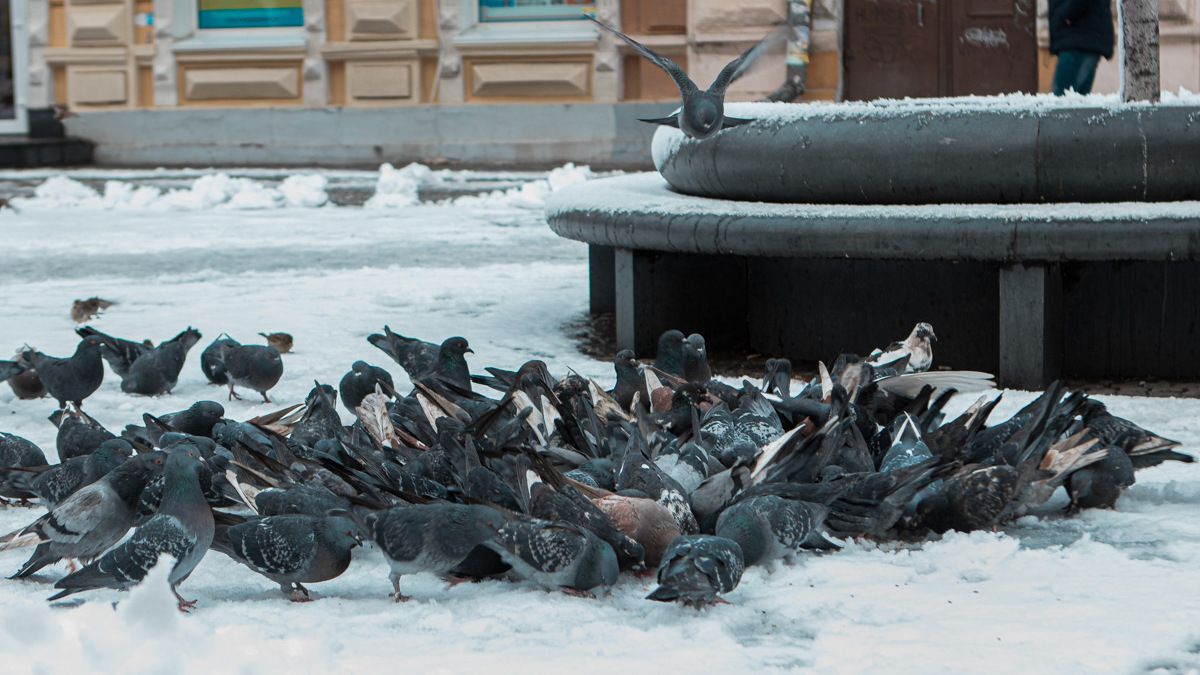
469,351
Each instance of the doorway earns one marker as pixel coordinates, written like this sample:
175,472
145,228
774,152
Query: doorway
929,48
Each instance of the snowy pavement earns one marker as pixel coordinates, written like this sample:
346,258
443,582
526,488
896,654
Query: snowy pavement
1103,592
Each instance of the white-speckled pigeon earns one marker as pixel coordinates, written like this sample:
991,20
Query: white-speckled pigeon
292,550
696,568
78,433
556,555
770,528
182,528
88,522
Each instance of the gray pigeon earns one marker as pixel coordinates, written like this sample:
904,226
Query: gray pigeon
17,453
74,378
91,520
210,360
426,361
556,555
696,568
120,354
769,528
9,369
256,367
156,371
361,381
309,499
54,483
292,550
1144,448
630,380
669,358
79,434
908,448
703,112
431,537
182,528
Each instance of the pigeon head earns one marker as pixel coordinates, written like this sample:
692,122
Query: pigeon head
457,346
342,529
92,343
360,367
188,338
115,447
321,394
598,567
924,331
129,479
626,357
206,413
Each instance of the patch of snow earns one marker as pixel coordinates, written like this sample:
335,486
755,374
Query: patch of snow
207,191
531,195
398,188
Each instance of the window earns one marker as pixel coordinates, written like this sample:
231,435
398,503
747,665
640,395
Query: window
251,13
533,10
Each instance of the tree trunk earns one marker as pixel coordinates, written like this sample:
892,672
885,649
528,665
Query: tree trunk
1139,50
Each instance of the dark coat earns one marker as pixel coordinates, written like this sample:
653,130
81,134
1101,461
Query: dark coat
1084,25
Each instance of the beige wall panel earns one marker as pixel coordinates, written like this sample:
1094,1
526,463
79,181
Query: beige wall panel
381,19
207,84
380,80
748,18
97,86
97,25
518,80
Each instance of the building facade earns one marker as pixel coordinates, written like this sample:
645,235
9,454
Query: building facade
130,54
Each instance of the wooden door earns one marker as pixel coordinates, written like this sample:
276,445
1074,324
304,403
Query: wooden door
892,48
992,47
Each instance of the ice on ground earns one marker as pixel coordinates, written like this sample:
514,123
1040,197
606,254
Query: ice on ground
1107,591
208,191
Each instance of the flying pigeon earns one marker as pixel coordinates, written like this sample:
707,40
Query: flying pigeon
182,528
703,112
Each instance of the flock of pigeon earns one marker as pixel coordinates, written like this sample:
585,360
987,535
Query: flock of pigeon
559,482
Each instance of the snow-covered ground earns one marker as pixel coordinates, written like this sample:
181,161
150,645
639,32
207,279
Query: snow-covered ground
1104,592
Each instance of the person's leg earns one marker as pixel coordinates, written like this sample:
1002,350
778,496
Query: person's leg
1086,74
1065,70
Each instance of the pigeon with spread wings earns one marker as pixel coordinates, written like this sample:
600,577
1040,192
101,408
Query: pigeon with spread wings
703,112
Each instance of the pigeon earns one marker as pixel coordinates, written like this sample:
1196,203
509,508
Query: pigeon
696,568
567,504
26,385
917,348
771,528
311,499
1100,485
1146,449
644,520
89,521
907,449
198,419
430,537
556,555
10,369
669,357
282,342
630,380
156,371
256,367
687,464
211,362
695,360
778,378
320,420
55,482
292,550
74,378
78,433
755,423
703,112
361,381
120,354
182,528
19,452
424,360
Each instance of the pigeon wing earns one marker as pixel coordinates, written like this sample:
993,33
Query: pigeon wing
671,68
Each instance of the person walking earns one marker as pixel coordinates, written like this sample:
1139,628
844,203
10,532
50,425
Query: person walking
1081,31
